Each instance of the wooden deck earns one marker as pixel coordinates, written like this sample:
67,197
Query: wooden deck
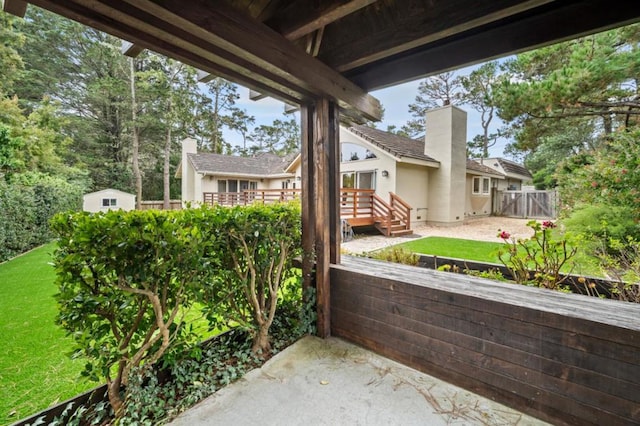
358,207
566,359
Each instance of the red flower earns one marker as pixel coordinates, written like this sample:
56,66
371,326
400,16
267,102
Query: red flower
548,224
594,184
504,235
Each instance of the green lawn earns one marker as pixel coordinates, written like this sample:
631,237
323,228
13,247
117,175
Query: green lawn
482,251
35,370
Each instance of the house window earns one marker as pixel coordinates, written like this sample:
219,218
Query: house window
481,185
354,152
109,202
359,180
233,185
349,180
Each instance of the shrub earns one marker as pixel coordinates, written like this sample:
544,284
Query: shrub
541,253
624,268
257,246
26,205
396,255
602,223
125,279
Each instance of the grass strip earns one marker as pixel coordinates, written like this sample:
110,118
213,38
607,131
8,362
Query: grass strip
35,370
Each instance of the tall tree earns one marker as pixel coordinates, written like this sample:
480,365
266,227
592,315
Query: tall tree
436,91
135,134
586,87
478,93
281,137
10,60
216,112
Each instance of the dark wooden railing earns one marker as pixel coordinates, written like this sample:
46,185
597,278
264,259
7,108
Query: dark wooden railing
565,358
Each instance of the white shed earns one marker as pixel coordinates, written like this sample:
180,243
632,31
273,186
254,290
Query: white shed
108,199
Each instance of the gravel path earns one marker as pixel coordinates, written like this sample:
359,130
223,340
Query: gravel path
482,229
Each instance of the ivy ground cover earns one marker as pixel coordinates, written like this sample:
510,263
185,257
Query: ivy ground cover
35,369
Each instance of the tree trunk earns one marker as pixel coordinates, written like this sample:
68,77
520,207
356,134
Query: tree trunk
136,137
166,202
113,391
261,342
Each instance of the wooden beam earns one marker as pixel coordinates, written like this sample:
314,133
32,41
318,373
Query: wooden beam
15,7
562,21
130,49
407,25
204,77
256,96
251,41
288,108
203,56
303,17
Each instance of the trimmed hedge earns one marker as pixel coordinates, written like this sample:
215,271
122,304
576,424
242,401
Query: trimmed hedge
127,280
26,205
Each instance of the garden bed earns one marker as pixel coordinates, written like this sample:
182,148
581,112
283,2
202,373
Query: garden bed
578,284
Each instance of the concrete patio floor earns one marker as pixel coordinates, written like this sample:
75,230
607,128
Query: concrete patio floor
333,382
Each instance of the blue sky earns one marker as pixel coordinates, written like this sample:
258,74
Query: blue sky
395,100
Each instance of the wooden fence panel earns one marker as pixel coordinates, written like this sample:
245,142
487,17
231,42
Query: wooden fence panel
158,205
526,204
567,359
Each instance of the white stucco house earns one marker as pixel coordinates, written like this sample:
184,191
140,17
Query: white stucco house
433,175
108,199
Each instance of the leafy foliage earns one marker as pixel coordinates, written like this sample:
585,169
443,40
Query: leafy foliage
542,253
125,281
396,254
623,267
27,204
257,247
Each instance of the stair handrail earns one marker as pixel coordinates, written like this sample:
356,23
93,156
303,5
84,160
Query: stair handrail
385,212
402,207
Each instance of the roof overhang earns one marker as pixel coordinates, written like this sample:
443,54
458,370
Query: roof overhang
300,51
247,176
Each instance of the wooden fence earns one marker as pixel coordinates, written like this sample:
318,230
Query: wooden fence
159,205
564,358
526,204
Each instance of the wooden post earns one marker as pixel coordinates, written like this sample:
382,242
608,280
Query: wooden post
320,208
308,197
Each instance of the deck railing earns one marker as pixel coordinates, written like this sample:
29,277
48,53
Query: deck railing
358,207
250,196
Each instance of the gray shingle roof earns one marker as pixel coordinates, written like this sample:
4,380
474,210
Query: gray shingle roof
396,145
473,165
515,168
263,164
